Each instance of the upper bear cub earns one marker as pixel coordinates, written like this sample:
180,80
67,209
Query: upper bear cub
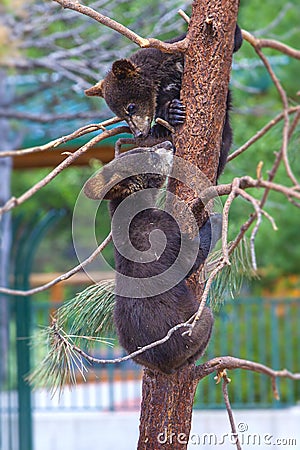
147,86
150,298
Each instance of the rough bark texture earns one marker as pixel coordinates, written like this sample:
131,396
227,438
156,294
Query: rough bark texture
205,83
167,400
166,409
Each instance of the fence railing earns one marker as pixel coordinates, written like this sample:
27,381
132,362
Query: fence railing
262,330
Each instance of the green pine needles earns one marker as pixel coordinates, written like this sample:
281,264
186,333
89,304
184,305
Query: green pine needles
87,318
90,313
80,323
229,281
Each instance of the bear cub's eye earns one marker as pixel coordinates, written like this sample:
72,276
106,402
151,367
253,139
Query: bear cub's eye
131,109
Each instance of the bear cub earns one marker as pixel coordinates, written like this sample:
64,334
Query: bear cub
147,86
150,298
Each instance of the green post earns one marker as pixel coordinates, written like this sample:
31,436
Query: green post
24,256
23,366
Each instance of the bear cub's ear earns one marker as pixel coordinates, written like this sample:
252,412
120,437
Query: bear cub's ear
124,68
95,91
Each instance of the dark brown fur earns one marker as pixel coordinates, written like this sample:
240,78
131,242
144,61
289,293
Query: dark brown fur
143,87
141,321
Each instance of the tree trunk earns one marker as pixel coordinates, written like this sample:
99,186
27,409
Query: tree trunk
166,409
167,402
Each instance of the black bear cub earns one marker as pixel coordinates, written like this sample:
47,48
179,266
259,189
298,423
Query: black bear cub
150,298
147,86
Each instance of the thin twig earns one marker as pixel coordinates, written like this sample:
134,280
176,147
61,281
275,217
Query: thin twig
13,202
271,43
63,277
179,46
257,208
62,140
92,359
229,362
225,382
184,15
235,184
222,263
165,124
285,131
257,45
216,364
262,132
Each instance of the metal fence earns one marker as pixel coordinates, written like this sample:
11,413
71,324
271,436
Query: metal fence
262,330
266,331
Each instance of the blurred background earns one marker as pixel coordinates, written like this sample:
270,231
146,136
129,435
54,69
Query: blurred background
48,56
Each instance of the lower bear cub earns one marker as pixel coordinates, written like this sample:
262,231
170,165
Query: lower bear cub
151,297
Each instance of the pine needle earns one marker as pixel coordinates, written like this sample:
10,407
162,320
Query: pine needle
80,322
229,281
90,313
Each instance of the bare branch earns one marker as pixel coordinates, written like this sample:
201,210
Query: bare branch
63,277
270,43
62,140
263,131
225,382
104,20
232,195
230,363
285,132
13,202
180,46
218,364
258,44
220,265
184,15
92,359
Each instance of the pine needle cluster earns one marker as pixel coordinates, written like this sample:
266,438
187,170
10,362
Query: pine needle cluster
229,281
79,323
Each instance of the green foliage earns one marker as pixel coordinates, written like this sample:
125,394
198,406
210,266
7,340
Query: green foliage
91,311
56,252
80,322
229,281
255,102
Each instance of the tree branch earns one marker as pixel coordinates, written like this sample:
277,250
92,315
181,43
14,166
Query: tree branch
270,43
262,132
13,202
59,335
63,277
225,382
220,363
180,46
62,140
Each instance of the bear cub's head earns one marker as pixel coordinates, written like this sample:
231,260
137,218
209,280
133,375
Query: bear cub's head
130,94
136,170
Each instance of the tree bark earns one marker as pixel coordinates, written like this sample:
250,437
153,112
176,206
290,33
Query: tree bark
167,402
166,409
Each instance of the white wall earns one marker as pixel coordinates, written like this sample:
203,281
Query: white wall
259,429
